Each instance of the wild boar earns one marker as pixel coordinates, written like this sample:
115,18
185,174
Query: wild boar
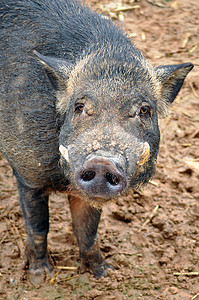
79,113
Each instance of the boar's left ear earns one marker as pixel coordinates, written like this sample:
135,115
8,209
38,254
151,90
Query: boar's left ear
57,69
171,78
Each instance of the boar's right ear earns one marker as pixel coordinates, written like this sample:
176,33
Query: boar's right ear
171,78
57,69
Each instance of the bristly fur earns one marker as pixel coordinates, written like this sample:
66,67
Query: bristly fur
82,35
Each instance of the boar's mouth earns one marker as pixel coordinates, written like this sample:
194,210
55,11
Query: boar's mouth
104,175
101,178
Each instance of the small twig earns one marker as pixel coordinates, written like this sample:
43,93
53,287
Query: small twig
186,145
193,48
75,276
153,182
149,218
52,281
118,9
196,296
66,268
187,274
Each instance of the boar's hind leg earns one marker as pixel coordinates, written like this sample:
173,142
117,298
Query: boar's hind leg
34,205
85,224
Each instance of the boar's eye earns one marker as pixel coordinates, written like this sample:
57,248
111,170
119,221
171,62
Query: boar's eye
79,107
145,111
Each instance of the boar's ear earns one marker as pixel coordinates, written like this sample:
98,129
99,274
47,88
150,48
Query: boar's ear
171,78
57,69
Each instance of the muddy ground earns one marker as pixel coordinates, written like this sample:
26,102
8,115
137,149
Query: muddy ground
151,237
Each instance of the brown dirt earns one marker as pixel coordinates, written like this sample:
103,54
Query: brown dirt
145,250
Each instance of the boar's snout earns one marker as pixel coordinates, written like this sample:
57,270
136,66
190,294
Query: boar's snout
101,177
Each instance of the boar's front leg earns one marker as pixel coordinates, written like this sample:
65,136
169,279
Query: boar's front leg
85,223
34,205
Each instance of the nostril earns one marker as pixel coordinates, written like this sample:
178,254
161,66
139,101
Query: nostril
87,175
101,178
112,178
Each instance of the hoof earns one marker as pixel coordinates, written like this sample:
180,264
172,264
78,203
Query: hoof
39,270
102,269
98,270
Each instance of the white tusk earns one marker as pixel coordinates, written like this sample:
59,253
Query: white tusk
145,154
64,152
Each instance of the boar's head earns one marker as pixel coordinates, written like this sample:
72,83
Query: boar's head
110,100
